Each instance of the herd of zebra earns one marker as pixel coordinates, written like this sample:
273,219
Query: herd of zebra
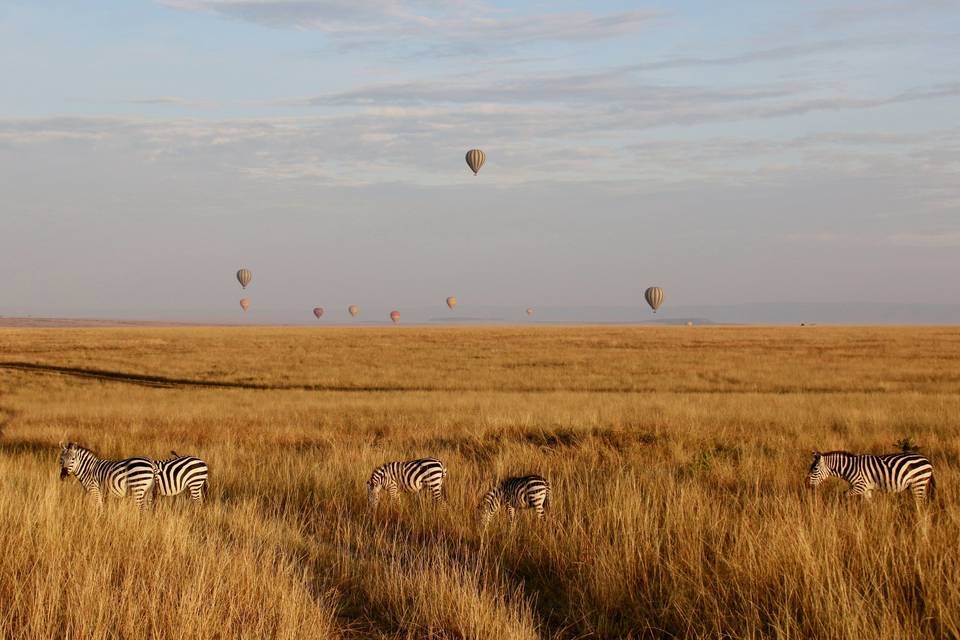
144,478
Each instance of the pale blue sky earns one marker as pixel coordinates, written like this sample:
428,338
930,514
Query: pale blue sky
730,152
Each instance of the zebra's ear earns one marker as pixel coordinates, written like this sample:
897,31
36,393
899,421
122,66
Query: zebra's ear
816,454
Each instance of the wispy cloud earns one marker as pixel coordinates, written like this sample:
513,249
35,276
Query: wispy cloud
447,26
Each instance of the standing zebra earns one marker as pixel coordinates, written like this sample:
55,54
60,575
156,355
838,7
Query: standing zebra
180,473
527,492
892,472
133,476
410,476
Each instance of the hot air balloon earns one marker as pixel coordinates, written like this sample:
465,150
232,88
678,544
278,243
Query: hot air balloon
529,311
395,316
654,296
354,310
452,301
245,304
244,276
318,311
475,160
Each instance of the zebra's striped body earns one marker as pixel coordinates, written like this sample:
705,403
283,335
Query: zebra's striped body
527,492
410,476
181,473
893,472
133,476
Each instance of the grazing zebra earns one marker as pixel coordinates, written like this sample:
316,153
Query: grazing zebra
133,476
893,472
410,476
181,473
527,492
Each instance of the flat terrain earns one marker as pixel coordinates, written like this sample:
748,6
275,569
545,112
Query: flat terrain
677,456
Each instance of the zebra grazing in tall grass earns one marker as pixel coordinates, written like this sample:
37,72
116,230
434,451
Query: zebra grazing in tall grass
133,476
410,476
526,492
181,473
894,472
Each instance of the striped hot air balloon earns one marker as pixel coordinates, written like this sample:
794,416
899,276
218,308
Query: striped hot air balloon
318,311
475,160
654,296
354,310
452,302
244,276
245,304
395,316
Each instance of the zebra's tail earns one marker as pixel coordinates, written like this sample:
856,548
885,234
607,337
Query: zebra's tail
932,488
156,478
546,500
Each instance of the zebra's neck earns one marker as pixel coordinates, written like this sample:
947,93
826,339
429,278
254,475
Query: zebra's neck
840,464
494,499
87,465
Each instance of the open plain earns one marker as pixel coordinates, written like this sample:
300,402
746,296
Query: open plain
677,457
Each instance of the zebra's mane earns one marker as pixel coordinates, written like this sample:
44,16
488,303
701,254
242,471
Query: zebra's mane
839,453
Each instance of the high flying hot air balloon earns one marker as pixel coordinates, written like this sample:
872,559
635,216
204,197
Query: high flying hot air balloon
654,296
529,311
244,276
318,311
354,310
395,316
475,160
452,301
245,304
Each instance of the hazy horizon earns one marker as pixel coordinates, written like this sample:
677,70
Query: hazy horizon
764,153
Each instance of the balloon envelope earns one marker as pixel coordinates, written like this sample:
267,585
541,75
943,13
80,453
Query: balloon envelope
452,301
395,316
244,276
245,304
654,296
529,311
475,160
354,310
318,311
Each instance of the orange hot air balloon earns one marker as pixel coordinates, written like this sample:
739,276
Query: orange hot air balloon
244,276
395,316
452,301
318,311
354,310
245,304
529,311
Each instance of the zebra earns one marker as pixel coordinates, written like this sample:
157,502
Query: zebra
181,473
410,476
892,472
526,492
133,476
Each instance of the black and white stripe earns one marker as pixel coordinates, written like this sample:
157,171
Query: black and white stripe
130,477
410,476
182,473
893,472
526,492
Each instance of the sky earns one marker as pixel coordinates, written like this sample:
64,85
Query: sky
735,153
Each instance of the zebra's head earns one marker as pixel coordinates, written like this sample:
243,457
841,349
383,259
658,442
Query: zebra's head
819,471
69,457
374,484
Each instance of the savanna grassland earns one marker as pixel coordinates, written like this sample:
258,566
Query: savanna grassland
677,457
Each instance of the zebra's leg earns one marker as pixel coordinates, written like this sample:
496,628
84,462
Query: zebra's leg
97,495
437,494
140,495
539,509
919,491
196,493
511,514
858,490
394,491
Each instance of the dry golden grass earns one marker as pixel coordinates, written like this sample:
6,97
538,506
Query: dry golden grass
677,457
